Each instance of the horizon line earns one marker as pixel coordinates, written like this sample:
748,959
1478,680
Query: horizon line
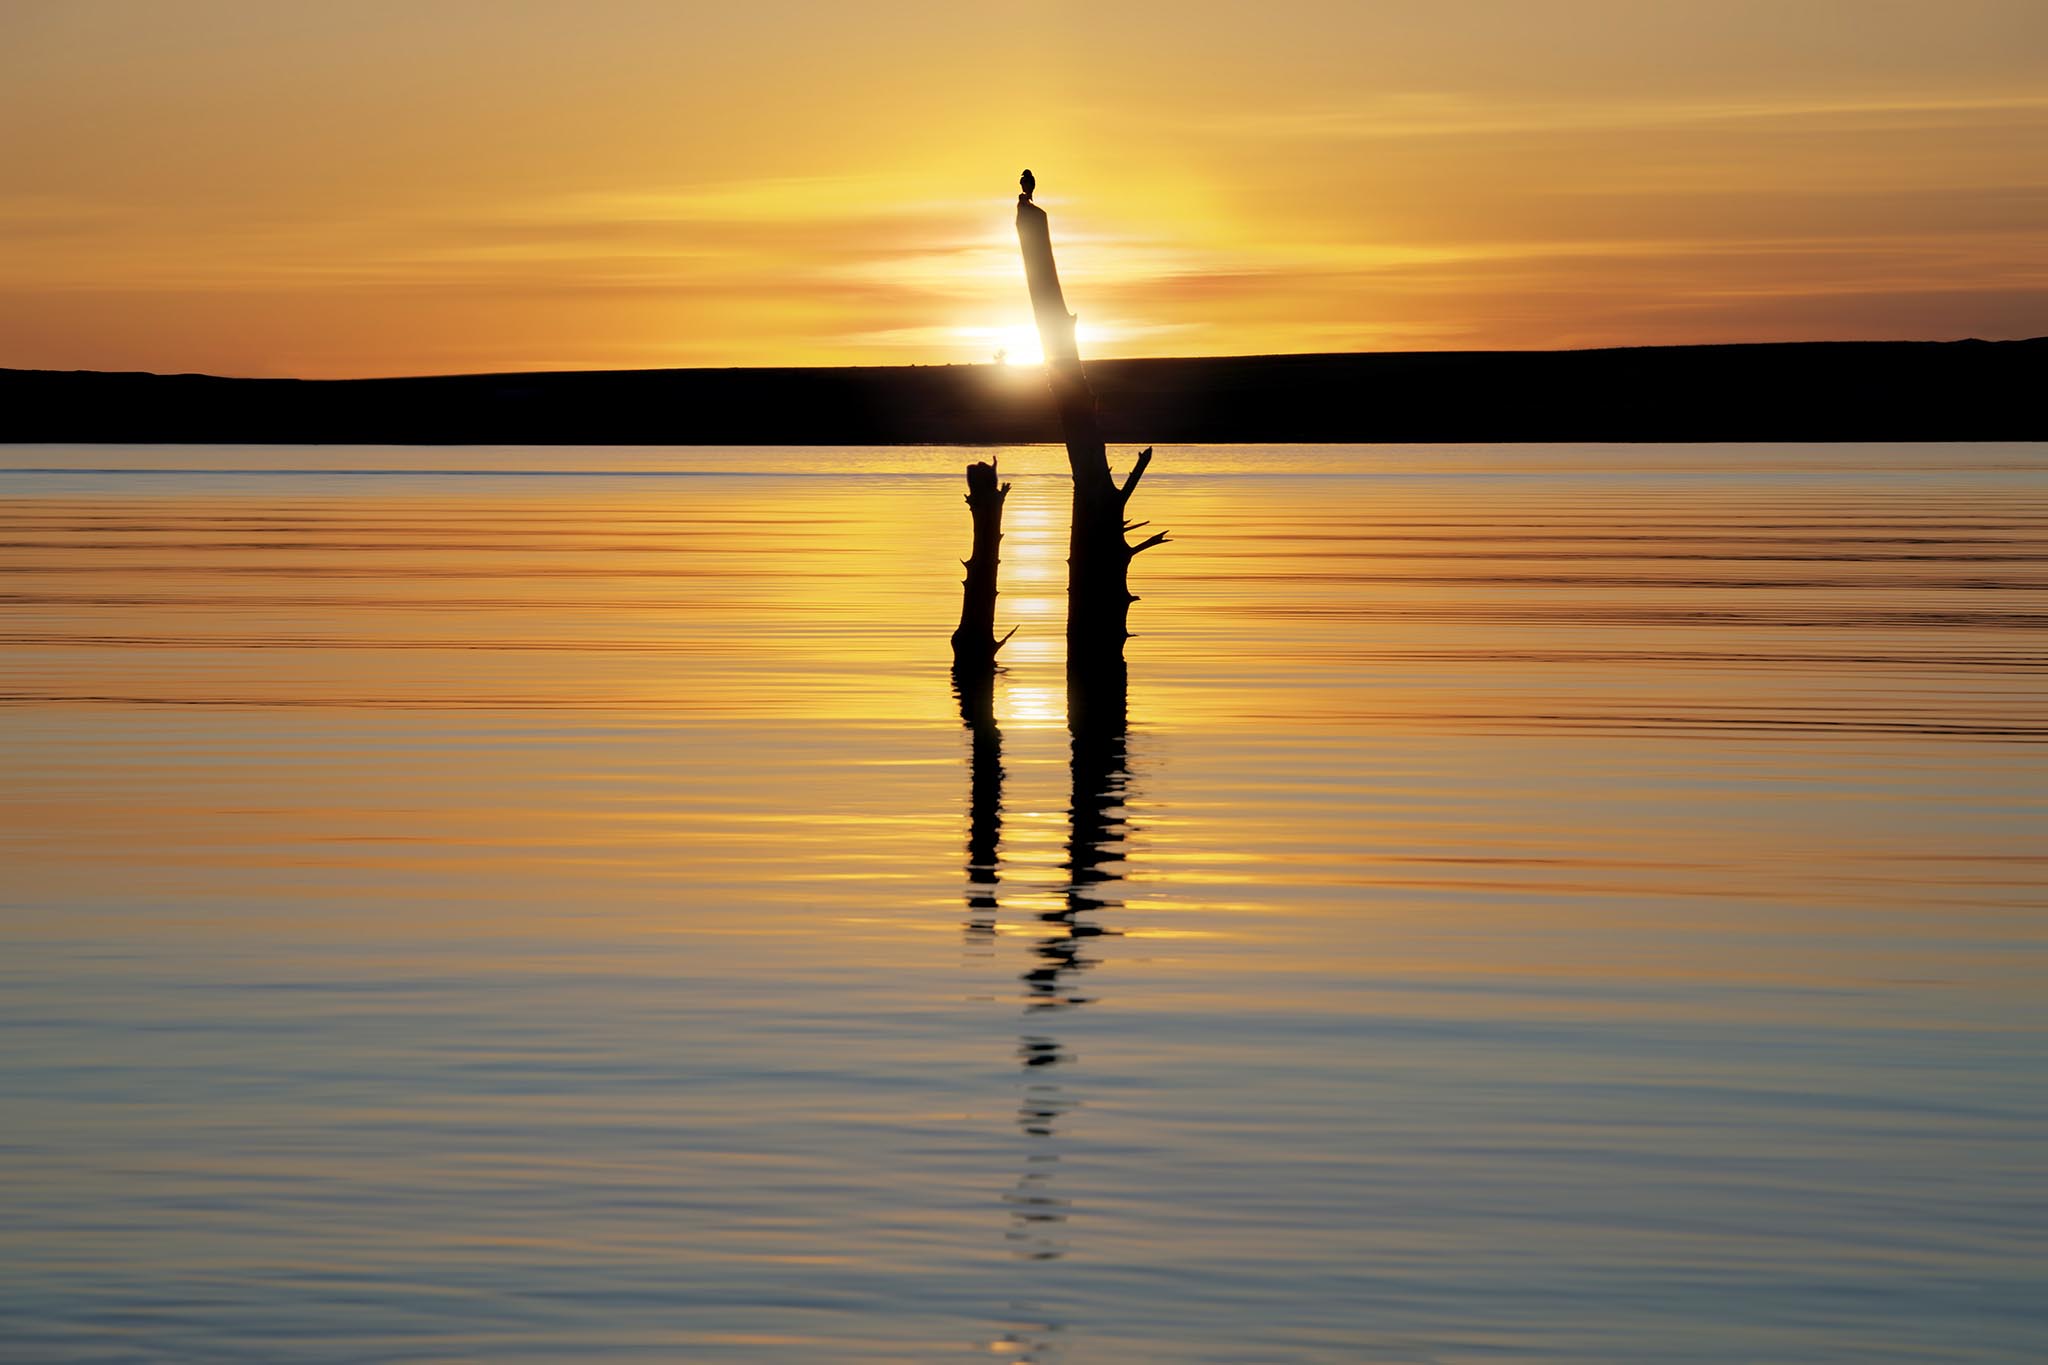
1023,369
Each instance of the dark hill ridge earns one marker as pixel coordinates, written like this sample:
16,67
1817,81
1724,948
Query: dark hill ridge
1837,391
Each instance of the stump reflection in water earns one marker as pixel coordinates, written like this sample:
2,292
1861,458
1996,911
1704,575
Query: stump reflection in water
1099,772
976,692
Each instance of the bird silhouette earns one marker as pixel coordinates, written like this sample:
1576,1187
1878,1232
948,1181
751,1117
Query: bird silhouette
1028,181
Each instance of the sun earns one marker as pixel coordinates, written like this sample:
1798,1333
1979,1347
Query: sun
1019,346
1017,343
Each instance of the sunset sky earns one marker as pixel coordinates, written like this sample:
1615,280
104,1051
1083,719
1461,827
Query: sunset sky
424,186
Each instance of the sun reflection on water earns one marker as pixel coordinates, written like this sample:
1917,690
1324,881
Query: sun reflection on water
1032,708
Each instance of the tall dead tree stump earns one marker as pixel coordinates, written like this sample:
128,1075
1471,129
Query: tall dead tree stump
1098,557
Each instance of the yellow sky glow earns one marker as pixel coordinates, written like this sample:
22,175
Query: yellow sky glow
387,188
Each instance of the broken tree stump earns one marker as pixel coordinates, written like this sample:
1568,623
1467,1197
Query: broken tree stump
1098,557
974,639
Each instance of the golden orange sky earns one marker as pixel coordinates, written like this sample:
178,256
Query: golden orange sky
430,187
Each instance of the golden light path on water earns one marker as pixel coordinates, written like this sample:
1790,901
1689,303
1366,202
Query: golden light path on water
1559,903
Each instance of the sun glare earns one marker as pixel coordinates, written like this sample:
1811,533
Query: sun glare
1014,345
1018,344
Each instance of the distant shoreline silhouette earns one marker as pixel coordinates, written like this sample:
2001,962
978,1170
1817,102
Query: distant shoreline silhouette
1786,391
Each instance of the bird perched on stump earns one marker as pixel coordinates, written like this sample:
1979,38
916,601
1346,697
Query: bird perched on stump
1029,182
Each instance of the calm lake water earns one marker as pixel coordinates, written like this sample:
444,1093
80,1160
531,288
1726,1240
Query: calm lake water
1551,903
